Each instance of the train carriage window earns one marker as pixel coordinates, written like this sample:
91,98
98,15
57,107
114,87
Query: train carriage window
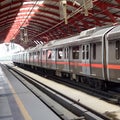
66,53
60,53
53,54
117,49
87,51
83,52
75,52
38,53
43,52
29,55
94,51
49,54
26,56
44,55
34,54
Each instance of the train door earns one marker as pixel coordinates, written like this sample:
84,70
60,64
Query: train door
28,62
30,54
86,59
66,59
38,54
37,58
44,58
40,58
53,57
59,60
113,60
25,58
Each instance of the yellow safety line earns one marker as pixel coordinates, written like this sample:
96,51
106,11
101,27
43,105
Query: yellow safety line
19,103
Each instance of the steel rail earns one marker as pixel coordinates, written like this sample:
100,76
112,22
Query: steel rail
82,111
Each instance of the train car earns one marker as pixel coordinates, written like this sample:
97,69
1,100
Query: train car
93,57
113,54
37,52
57,56
80,57
31,57
50,56
17,58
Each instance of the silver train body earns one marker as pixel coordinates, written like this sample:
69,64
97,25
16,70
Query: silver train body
94,54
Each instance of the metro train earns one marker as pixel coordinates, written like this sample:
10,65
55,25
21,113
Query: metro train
92,57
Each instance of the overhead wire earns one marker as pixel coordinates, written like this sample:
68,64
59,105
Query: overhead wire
78,10
69,16
30,9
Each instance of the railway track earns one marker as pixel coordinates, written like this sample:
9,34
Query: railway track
80,112
111,96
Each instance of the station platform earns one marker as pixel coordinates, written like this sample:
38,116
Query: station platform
18,103
96,103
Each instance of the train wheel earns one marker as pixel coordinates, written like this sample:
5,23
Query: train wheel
104,86
35,68
119,101
98,84
91,82
81,80
63,75
77,78
72,77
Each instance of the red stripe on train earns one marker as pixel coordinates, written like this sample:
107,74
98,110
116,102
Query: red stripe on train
97,65
79,64
117,67
86,65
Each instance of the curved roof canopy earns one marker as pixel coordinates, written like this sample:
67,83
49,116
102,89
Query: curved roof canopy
31,22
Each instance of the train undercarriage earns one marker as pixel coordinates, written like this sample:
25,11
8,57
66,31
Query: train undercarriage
99,84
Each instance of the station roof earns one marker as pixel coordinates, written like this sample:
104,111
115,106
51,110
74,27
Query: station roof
31,22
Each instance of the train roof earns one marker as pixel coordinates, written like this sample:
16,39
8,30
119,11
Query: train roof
97,35
61,41
101,32
114,33
84,36
38,47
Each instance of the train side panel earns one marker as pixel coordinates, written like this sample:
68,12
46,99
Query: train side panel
27,58
75,60
86,58
62,60
44,58
98,54
113,54
36,58
51,58
96,60
31,58
40,58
